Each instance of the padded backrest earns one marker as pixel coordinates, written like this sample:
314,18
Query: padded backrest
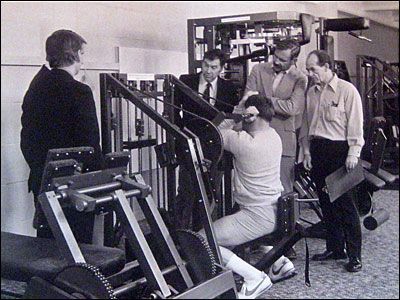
287,213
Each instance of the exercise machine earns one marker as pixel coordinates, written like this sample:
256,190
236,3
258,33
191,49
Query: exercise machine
62,268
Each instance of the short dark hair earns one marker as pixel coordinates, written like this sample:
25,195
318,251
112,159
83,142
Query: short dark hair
215,54
323,58
291,45
264,106
62,48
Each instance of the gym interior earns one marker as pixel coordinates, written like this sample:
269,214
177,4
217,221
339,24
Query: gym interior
135,53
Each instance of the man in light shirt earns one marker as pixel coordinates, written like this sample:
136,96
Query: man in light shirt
332,136
257,151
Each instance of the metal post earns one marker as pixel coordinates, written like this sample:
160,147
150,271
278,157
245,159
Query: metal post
162,236
62,232
105,106
138,242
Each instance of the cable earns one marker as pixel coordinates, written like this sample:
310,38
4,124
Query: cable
170,104
189,112
217,100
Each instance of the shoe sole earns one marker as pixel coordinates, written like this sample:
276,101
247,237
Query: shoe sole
353,270
290,275
258,294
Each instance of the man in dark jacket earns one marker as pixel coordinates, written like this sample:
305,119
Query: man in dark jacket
222,95
59,112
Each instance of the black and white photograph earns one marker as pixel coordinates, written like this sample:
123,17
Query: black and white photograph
200,150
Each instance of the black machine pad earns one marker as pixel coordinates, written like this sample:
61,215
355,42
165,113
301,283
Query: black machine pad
23,257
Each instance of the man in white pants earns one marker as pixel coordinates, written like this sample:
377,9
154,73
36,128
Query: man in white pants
257,150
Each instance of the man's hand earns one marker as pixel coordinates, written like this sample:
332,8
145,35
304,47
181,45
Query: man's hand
246,95
351,162
307,162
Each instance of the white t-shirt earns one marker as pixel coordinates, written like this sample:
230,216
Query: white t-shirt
256,163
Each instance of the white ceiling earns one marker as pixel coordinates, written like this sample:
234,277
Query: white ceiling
383,12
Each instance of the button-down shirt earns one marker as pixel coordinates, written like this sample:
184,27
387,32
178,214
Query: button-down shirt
213,88
334,112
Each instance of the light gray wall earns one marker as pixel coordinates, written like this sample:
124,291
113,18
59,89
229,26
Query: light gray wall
385,45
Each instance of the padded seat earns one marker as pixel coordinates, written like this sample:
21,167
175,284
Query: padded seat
23,257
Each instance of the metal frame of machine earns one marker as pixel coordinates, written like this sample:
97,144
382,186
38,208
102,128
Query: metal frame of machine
193,159
109,190
243,37
75,191
117,132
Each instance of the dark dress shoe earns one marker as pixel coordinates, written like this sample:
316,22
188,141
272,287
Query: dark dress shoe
354,265
327,255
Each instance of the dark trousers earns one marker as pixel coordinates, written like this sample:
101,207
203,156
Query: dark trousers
341,217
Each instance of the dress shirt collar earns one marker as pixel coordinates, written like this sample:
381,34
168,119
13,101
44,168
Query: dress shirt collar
203,82
333,83
285,72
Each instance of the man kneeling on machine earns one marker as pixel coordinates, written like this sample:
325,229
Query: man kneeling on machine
257,188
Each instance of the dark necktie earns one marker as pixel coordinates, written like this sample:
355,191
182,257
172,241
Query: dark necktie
206,94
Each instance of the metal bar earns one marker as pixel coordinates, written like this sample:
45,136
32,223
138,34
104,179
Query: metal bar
137,99
358,73
139,144
149,148
157,167
141,248
162,236
171,170
128,110
129,286
105,107
62,232
118,124
277,251
204,207
112,186
105,199
191,46
125,274
380,108
228,191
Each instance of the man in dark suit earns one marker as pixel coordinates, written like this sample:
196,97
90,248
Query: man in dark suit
59,112
222,95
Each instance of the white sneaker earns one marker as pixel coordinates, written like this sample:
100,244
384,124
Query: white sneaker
281,270
264,285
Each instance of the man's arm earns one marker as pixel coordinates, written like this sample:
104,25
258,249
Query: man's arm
251,83
295,104
304,141
230,137
86,131
355,139
354,114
